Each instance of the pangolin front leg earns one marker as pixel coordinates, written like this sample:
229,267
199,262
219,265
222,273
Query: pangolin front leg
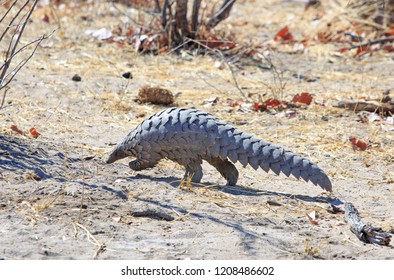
194,171
139,164
145,160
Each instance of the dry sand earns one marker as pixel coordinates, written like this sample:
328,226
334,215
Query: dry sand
82,208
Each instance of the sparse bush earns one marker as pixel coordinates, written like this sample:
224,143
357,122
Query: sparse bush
177,24
12,25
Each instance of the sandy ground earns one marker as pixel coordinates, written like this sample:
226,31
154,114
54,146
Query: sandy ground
59,200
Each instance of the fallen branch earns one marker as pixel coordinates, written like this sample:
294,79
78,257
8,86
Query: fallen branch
153,214
365,232
373,42
370,106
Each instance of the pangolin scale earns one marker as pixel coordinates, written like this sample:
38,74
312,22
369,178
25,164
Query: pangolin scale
189,136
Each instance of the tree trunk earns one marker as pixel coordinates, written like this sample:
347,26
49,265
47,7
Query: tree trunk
181,21
194,25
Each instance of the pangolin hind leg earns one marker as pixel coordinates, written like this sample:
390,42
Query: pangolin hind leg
226,169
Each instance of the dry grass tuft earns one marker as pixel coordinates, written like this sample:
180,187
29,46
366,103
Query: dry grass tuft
155,95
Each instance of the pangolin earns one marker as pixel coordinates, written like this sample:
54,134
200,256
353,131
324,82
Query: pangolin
189,136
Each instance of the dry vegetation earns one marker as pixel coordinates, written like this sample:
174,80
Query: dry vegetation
59,200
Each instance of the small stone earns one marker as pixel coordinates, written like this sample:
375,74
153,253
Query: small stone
127,75
76,78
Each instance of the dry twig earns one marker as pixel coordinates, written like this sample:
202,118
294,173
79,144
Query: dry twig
373,42
154,214
221,14
91,239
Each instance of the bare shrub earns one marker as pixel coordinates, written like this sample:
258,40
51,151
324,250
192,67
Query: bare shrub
174,17
12,25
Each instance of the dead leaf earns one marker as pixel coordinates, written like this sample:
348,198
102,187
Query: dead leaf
320,102
33,132
357,144
45,18
258,107
120,180
304,98
388,48
219,64
387,128
312,218
284,35
101,34
287,114
16,129
116,219
214,41
271,102
230,102
373,117
342,50
6,4
211,100
362,50
389,31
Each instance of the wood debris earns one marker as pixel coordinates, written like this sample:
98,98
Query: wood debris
365,232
